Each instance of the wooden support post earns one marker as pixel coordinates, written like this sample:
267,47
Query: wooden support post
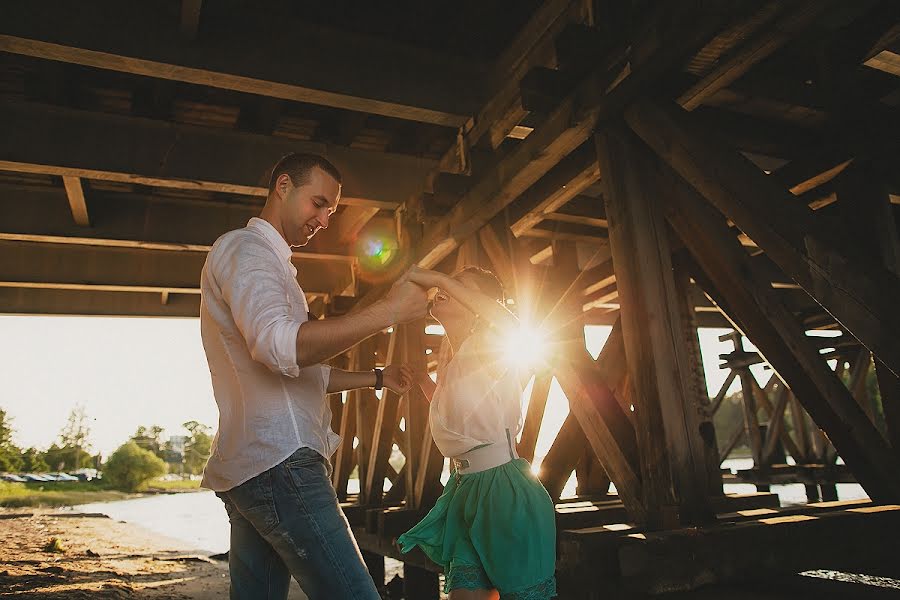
698,396
562,457
861,185
534,415
798,420
375,565
344,457
748,401
372,484
424,459
861,295
589,387
592,478
748,298
366,415
75,193
776,424
419,583
673,463
857,383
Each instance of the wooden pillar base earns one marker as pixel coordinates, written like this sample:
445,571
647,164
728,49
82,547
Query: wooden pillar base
812,493
375,565
419,584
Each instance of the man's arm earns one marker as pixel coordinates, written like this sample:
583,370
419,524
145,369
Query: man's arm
396,377
317,341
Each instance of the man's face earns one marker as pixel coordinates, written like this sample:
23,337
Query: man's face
308,208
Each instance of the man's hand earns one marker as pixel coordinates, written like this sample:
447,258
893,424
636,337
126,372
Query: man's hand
425,277
397,378
406,300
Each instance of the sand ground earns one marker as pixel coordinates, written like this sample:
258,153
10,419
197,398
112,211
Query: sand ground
98,557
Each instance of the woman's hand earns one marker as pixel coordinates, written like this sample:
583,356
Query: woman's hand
425,277
398,378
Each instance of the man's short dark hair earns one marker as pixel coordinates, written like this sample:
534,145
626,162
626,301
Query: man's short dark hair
299,166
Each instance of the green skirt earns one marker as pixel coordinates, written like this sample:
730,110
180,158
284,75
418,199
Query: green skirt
492,529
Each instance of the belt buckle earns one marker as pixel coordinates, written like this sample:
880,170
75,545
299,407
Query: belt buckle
459,463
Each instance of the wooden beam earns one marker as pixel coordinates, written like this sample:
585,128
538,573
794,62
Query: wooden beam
562,457
76,201
534,416
345,454
670,35
352,220
562,183
134,220
673,457
360,73
424,459
856,292
771,37
589,388
93,302
59,141
755,308
366,405
190,19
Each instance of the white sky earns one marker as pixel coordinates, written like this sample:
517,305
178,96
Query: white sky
128,372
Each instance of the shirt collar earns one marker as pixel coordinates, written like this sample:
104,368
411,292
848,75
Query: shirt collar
272,236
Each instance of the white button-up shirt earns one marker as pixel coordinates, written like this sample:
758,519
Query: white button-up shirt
251,308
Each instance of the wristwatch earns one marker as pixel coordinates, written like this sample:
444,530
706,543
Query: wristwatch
379,379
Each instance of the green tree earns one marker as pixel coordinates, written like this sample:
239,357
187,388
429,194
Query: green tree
73,449
197,448
10,454
33,461
130,466
150,438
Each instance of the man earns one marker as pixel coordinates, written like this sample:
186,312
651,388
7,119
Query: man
269,461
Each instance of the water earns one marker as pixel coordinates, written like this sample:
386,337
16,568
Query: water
196,518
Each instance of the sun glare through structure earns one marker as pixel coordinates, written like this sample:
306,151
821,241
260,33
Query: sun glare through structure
525,346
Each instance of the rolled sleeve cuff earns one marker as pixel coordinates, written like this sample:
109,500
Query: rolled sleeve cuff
286,349
326,376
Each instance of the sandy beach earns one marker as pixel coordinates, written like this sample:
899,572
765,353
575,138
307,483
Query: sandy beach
98,557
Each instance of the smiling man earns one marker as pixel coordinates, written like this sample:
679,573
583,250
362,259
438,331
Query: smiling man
270,458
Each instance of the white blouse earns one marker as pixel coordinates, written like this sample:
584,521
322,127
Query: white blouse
476,401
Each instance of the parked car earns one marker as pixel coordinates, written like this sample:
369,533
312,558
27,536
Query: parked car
37,477
64,477
15,478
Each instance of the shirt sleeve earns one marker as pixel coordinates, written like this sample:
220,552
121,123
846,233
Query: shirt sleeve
254,285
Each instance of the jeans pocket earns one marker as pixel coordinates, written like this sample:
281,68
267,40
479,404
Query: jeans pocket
303,457
255,501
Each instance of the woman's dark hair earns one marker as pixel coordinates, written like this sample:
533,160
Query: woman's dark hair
487,282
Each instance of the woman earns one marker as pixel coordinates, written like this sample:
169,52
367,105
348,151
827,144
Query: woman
493,529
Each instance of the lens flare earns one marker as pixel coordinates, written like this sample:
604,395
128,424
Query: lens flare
525,346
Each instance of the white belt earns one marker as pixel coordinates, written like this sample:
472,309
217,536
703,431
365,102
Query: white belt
482,459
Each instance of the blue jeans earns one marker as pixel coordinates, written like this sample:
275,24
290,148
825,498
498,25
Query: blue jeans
287,521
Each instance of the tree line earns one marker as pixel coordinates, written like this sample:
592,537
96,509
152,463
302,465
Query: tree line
143,456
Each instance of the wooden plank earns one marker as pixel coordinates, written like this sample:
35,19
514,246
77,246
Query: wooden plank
814,254
366,414
534,416
344,457
77,205
772,37
59,141
360,73
776,425
792,543
748,297
659,367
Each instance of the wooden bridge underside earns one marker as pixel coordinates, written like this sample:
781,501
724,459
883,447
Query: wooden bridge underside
651,166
